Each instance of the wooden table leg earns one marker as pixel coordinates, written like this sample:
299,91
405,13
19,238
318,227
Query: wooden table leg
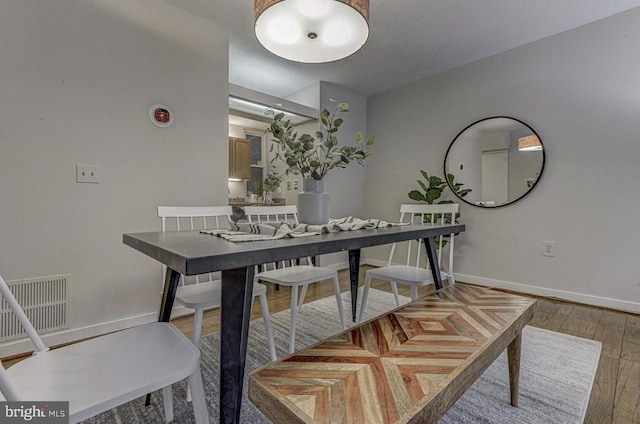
235,313
513,355
354,271
432,255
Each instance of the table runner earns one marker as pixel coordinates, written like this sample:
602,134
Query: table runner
240,232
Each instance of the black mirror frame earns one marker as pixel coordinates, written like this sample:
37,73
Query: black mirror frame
544,157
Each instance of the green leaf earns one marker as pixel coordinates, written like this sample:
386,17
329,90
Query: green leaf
344,107
432,195
423,185
337,122
424,175
434,181
371,140
416,195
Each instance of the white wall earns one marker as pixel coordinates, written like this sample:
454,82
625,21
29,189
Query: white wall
346,185
78,78
580,91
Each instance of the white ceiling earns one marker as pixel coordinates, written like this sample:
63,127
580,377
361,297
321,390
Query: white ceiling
409,39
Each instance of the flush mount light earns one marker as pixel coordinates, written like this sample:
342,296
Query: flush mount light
312,31
529,143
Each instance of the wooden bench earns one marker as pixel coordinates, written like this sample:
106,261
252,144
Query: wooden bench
408,366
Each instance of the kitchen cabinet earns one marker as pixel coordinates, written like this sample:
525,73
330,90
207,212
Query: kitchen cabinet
239,158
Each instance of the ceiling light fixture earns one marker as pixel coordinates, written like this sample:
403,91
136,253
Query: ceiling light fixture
312,31
529,143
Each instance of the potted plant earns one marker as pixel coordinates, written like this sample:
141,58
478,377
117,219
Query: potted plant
270,184
432,189
314,156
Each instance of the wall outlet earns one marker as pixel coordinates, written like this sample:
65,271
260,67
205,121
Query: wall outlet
88,174
549,248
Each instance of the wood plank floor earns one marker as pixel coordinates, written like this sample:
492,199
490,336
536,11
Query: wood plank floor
615,398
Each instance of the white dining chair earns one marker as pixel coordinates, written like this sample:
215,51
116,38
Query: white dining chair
415,272
99,374
204,291
290,273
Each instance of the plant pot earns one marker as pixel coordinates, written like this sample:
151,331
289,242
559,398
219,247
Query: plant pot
313,203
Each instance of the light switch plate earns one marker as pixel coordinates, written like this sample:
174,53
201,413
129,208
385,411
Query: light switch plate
88,174
548,248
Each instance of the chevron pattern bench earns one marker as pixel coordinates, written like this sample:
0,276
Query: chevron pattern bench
408,366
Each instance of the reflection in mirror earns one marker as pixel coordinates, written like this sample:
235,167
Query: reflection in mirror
500,159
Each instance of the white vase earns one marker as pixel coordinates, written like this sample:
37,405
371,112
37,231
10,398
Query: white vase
313,203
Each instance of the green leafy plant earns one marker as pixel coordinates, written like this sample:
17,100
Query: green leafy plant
432,189
272,181
313,157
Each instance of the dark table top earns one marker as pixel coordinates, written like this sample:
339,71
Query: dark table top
191,253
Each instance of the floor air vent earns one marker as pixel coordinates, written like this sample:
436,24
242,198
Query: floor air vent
43,299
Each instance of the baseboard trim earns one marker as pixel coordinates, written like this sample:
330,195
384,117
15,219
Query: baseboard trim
24,345
605,302
373,262
337,266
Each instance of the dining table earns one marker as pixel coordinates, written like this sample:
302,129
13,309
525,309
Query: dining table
193,253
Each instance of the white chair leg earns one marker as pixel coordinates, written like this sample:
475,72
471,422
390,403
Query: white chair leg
414,292
167,398
394,288
450,279
199,403
294,312
336,287
267,325
304,293
198,317
365,293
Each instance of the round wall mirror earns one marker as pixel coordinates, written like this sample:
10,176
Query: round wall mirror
499,159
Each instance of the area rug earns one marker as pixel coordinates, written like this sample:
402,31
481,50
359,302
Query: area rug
556,376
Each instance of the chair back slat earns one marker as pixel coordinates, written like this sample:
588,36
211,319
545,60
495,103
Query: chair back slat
7,387
439,214
22,317
260,214
195,218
